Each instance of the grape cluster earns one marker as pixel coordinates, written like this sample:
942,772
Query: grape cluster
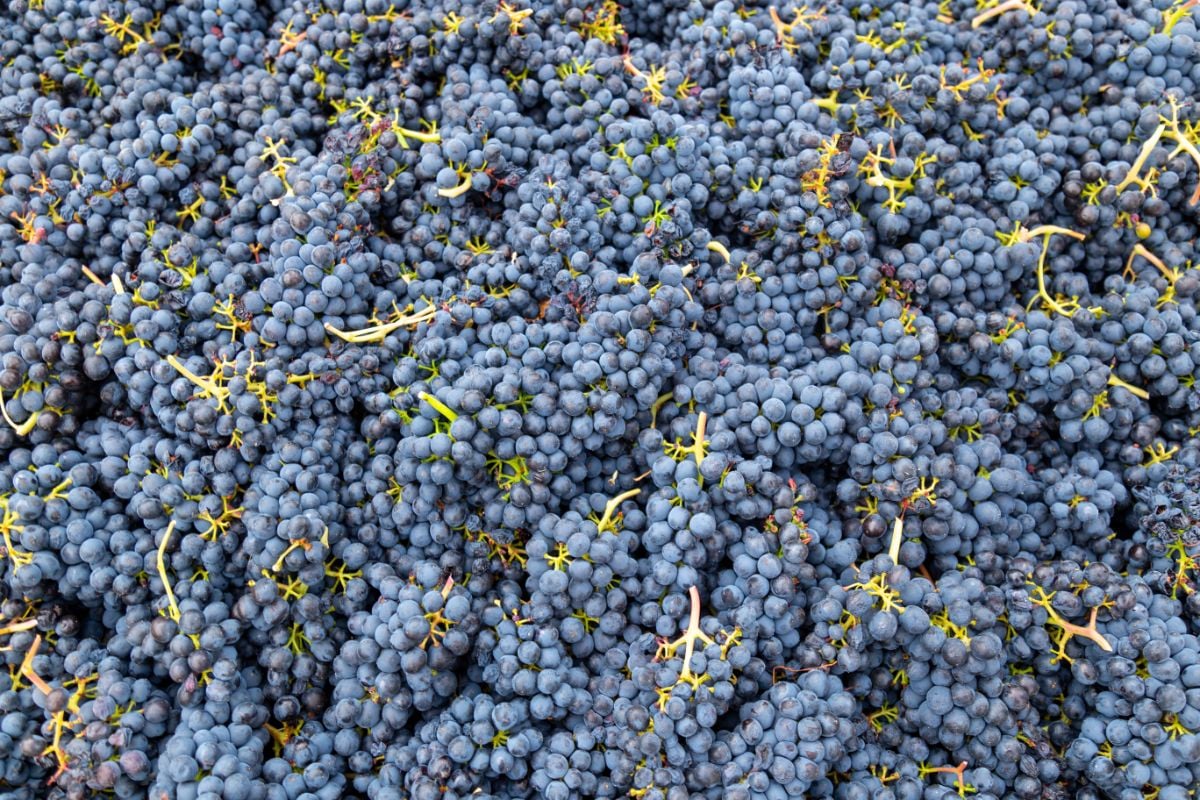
615,399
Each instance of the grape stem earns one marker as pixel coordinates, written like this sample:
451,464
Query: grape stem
27,666
897,536
1001,9
25,427
610,508
438,406
117,286
719,248
172,606
377,333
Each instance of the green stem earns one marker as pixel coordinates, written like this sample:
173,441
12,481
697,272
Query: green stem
438,406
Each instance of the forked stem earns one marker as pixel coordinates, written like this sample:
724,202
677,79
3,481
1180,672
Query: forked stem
958,772
27,666
377,333
1090,633
1140,249
605,523
1169,128
1046,231
209,387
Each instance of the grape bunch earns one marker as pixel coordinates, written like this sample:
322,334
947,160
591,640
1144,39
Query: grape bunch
648,399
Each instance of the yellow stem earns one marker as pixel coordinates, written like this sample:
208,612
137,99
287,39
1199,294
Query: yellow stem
1148,148
438,406
613,505
420,136
1140,249
1113,380
1003,8
1046,231
25,427
456,191
27,666
716,246
25,625
278,565
172,606
91,276
377,333
204,383
1186,146
784,28
897,536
